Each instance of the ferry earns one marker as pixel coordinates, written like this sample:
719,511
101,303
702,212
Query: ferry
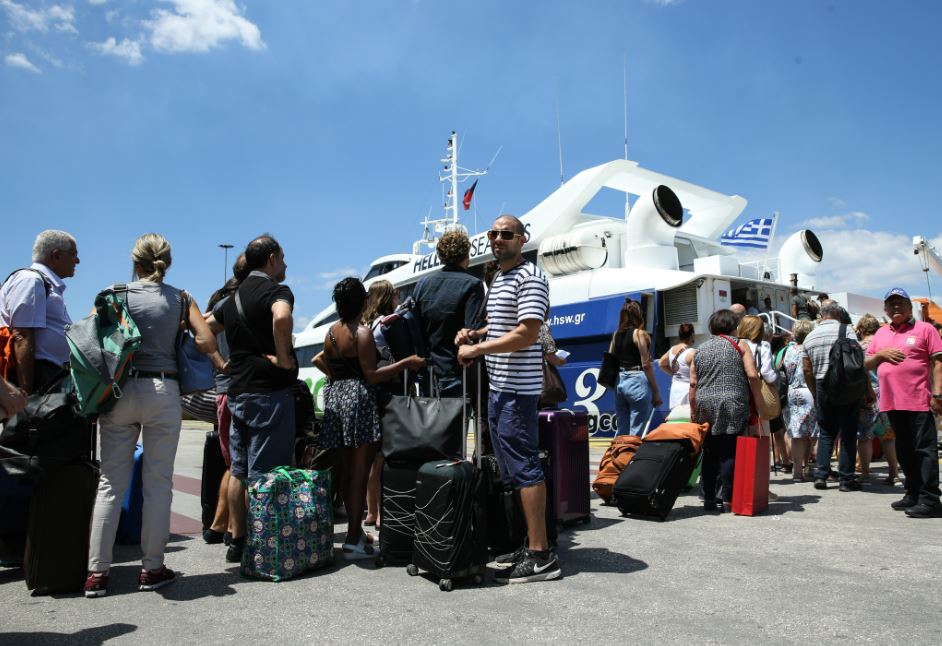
664,251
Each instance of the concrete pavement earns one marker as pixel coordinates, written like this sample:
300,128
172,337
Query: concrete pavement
819,566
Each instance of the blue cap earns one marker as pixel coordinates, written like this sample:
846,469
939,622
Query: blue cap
896,291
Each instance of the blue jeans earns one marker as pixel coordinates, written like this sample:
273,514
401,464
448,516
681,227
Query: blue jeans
262,433
834,421
633,403
515,436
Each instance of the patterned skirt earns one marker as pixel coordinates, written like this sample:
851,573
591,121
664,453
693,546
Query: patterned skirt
351,416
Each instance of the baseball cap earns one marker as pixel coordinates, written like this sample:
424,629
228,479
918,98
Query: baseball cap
896,291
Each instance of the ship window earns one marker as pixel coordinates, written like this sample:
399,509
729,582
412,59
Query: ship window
327,319
306,353
383,268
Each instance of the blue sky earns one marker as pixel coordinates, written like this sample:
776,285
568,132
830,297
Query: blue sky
211,121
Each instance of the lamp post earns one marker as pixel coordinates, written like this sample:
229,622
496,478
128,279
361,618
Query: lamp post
225,262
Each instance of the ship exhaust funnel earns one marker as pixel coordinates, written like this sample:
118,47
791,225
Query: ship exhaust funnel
652,223
800,255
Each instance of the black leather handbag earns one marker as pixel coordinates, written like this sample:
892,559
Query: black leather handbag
420,429
48,434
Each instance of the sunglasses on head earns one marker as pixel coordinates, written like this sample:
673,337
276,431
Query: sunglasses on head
493,234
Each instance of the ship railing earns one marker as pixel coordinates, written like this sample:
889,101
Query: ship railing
778,321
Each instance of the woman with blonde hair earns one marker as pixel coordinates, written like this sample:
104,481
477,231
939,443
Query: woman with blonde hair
150,408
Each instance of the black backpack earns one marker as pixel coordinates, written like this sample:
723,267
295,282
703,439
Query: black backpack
846,379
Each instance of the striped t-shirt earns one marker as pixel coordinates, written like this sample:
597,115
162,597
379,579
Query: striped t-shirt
517,295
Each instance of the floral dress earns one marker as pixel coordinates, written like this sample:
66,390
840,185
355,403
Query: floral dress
799,415
351,414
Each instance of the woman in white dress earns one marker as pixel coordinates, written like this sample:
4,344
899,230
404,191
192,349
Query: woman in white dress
676,362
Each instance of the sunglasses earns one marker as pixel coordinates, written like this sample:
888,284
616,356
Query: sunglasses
493,234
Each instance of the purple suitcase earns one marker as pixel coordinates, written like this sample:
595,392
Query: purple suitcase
565,435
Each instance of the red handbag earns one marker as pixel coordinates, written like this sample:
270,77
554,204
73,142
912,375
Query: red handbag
751,475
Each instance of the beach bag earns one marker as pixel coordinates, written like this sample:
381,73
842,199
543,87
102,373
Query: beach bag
101,347
194,369
845,381
770,403
290,527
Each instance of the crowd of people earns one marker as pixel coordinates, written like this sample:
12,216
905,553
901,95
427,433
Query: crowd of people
246,331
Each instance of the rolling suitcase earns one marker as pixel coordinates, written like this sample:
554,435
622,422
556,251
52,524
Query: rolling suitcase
397,504
506,525
132,507
214,466
450,520
565,435
15,494
651,482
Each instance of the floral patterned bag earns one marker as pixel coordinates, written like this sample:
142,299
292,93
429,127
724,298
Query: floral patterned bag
290,524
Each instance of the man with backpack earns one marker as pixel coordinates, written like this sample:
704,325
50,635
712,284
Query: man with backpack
33,315
833,364
902,352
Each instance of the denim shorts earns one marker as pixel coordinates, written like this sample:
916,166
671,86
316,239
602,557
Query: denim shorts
514,425
262,434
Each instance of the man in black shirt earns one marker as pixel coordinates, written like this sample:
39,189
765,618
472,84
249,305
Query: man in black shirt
262,368
448,301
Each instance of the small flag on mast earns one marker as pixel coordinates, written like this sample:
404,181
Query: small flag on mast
468,195
754,234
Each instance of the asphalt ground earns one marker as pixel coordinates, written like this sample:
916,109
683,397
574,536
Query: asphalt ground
817,567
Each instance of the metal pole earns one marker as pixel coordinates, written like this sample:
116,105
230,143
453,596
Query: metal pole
225,261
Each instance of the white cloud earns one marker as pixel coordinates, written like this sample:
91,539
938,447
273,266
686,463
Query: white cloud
20,61
854,218
200,25
97,2
129,50
60,17
836,203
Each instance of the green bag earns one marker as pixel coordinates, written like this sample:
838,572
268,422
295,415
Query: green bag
101,346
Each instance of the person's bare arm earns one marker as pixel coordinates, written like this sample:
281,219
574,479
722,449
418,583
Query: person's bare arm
808,369
892,355
366,349
467,336
752,374
24,350
664,363
282,323
320,362
522,336
553,360
934,403
214,326
12,399
643,341
693,390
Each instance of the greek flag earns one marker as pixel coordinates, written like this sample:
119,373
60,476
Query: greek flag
754,234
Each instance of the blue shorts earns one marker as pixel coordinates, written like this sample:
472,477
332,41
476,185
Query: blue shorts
262,434
514,424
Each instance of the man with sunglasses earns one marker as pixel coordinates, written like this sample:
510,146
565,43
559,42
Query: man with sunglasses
517,304
904,352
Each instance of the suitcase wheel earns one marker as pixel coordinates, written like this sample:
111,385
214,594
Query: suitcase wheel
412,570
477,579
379,562
445,585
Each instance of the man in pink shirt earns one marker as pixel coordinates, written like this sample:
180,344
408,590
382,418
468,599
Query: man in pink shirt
904,353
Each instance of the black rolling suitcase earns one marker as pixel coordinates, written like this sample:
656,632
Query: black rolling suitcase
506,525
450,518
397,504
214,466
651,482
60,516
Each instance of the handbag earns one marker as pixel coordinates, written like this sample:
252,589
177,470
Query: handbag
422,429
769,404
194,369
608,371
751,475
48,434
554,390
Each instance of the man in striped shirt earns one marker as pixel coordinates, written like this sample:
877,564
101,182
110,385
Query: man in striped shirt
517,304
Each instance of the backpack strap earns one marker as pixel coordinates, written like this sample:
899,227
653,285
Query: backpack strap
47,285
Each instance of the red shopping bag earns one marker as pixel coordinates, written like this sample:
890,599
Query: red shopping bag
751,475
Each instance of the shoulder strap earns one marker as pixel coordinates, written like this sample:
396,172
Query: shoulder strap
184,309
842,331
46,284
733,343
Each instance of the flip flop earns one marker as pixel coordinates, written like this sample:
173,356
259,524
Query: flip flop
362,550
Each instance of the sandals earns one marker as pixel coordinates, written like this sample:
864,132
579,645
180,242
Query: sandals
364,549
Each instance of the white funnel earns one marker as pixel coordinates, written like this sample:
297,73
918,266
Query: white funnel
800,255
652,223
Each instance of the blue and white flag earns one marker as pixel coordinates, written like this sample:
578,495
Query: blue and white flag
754,234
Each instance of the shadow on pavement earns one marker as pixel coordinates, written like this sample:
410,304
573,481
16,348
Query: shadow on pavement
597,559
85,637
791,503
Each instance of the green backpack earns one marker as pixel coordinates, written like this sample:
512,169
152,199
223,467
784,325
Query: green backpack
101,346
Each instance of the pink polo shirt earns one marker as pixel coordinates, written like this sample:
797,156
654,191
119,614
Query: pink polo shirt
905,386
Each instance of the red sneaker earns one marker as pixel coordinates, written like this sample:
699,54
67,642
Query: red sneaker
156,579
96,585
